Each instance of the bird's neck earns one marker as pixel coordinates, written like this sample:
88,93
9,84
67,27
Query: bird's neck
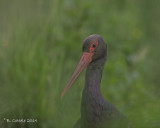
93,79
92,96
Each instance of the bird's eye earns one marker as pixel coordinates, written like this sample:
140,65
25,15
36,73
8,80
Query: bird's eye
94,45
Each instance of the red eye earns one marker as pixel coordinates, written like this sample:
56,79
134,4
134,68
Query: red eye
93,46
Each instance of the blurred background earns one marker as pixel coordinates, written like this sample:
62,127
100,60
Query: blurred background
41,43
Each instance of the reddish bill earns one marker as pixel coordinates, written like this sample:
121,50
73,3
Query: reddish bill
84,61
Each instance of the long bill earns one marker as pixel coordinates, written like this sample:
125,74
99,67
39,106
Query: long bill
86,58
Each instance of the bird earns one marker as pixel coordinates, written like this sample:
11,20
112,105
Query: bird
96,112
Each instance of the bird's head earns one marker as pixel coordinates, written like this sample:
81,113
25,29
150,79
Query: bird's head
94,48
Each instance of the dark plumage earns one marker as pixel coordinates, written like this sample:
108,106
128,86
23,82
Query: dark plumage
96,112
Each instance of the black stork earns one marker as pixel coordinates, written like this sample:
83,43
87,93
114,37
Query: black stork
96,112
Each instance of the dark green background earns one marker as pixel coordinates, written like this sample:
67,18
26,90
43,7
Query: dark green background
41,43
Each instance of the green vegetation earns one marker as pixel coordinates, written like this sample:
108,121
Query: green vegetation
40,45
